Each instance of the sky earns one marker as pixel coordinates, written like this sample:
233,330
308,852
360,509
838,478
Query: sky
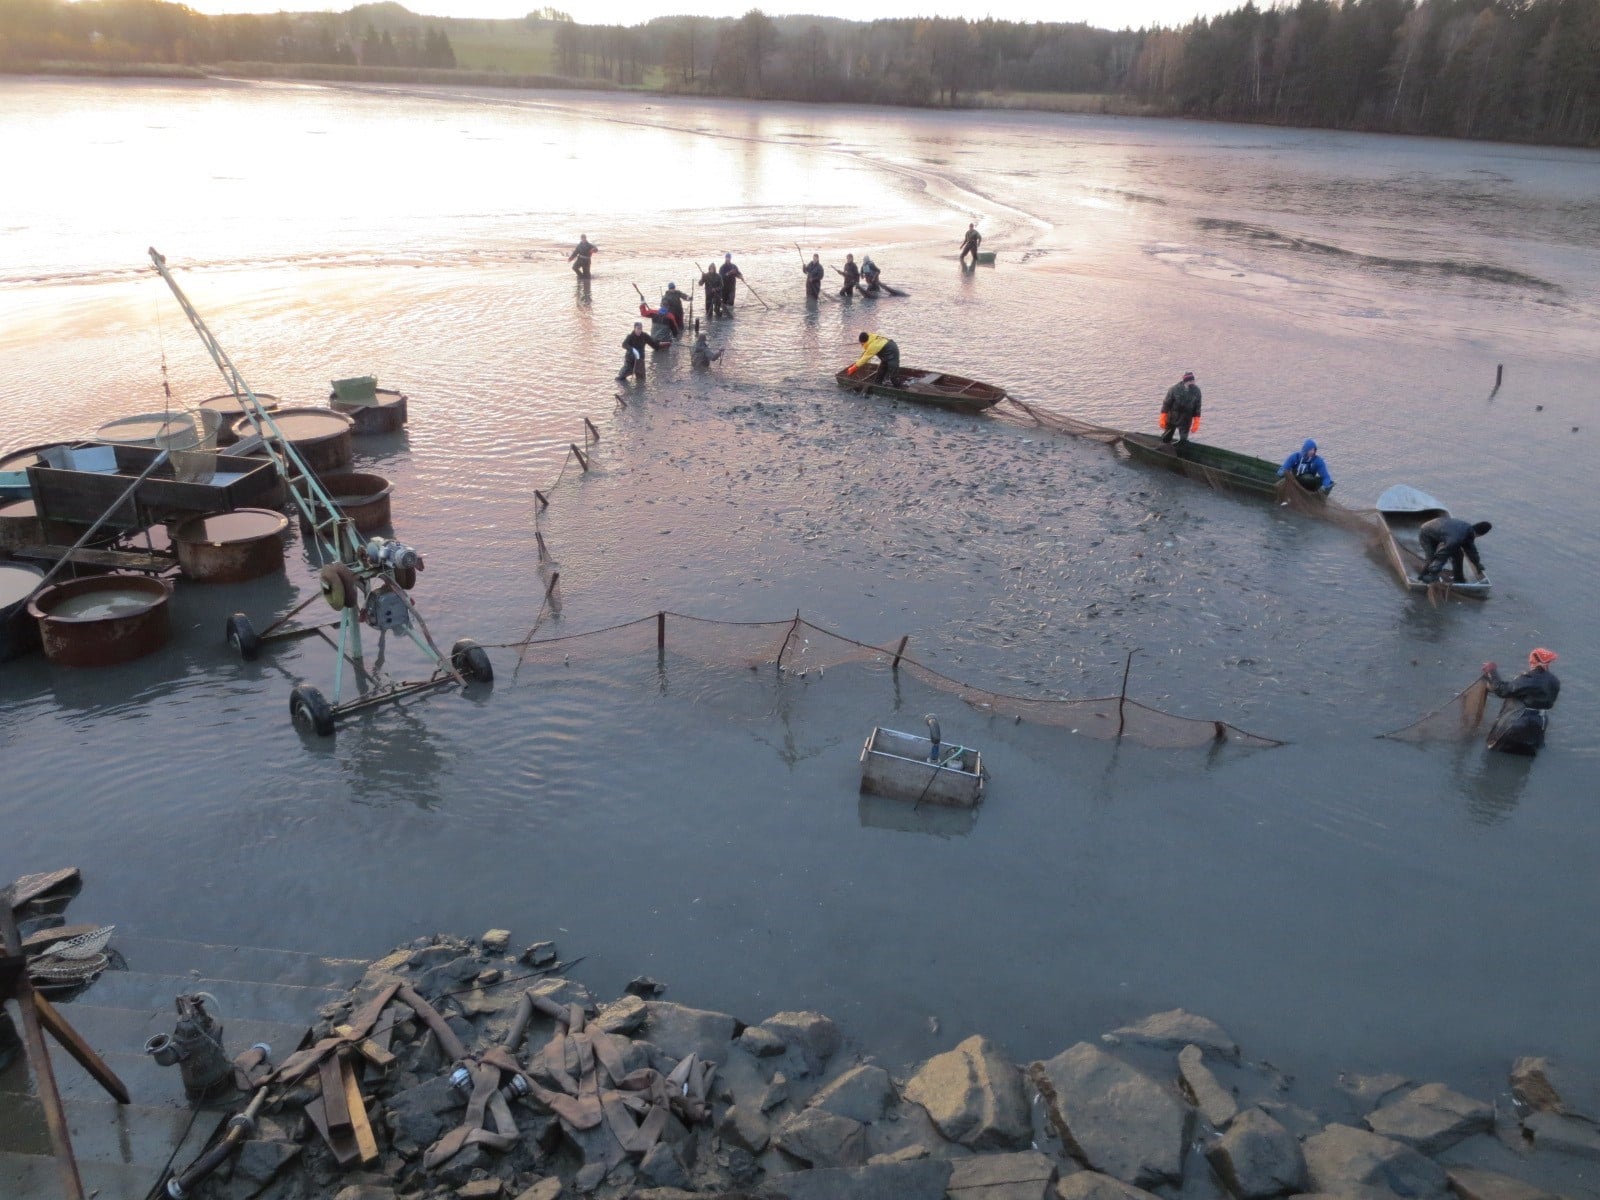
1108,14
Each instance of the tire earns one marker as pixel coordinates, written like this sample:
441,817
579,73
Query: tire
472,660
310,711
339,587
242,636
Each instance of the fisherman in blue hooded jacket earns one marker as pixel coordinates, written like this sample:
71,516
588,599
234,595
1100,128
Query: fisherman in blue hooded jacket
1308,468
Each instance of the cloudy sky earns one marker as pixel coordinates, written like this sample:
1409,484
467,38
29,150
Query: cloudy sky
1110,14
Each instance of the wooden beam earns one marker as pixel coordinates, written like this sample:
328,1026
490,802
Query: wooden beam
72,1042
360,1126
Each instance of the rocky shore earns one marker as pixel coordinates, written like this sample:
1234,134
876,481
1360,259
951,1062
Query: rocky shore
485,1072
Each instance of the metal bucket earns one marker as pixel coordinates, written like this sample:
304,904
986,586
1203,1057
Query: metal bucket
228,408
19,525
386,413
19,632
320,437
361,496
230,547
102,621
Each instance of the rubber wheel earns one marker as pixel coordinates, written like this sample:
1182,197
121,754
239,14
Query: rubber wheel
339,586
242,636
310,711
406,577
472,660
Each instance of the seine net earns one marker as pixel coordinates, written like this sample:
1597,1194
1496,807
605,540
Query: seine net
1459,719
798,646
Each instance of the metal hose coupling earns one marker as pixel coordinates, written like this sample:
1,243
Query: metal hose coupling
461,1081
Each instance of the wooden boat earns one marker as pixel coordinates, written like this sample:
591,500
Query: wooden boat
929,387
1211,464
1403,510
907,766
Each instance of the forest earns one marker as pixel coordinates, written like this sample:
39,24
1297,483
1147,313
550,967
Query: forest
1508,69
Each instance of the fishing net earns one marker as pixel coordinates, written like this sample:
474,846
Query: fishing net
799,647
1068,425
1459,719
190,438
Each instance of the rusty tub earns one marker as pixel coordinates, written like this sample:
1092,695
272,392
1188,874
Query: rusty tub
102,621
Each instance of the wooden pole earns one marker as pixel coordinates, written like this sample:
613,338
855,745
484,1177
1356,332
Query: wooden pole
582,461
39,1055
899,651
1122,699
541,498
590,430
72,1042
661,631
544,554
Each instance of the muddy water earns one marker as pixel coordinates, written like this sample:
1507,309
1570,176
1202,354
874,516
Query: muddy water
1339,903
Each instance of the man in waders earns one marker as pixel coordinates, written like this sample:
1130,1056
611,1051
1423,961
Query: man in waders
1449,540
703,356
633,348
852,276
969,244
1180,411
672,304
884,349
712,282
1519,729
814,271
869,276
581,253
730,280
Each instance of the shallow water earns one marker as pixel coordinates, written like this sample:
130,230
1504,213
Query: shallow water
1338,903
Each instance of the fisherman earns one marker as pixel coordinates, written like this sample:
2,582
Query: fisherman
712,282
969,244
1180,411
887,354
672,304
1308,468
730,280
702,355
852,276
633,348
869,276
1450,539
1519,729
814,272
581,253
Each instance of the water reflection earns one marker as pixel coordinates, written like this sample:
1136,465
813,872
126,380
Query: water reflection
1491,784
902,816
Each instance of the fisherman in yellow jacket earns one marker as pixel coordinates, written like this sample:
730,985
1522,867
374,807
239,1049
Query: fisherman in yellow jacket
875,345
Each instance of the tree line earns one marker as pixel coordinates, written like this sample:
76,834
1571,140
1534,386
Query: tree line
154,31
1515,69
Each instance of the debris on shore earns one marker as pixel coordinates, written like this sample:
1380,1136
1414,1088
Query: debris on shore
475,1071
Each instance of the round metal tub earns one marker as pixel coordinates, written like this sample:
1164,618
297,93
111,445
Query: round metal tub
164,430
230,547
28,456
386,416
19,525
19,632
361,496
102,621
320,437
228,410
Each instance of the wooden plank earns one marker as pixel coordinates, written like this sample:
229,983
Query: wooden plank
341,1143
368,1048
333,1095
360,1126
111,560
72,1042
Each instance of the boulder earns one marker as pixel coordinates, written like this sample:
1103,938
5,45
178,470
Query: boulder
1369,1091
861,1093
624,1016
418,1116
259,1161
1176,1029
777,1092
1022,1176
1216,1104
681,1031
1432,1118
763,1043
1342,1159
1114,1118
1544,1085
924,1180
1258,1157
548,1188
1091,1185
1568,1135
815,1036
481,1189
495,941
1469,1183
540,954
661,1167
822,1139
975,1096
745,1127
364,1191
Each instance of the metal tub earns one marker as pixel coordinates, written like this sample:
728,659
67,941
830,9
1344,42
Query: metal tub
230,547
896,765
104,620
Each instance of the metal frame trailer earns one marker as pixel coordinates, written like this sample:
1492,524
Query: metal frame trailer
365,582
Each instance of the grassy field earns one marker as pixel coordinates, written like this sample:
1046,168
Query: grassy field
517,50
1063,102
